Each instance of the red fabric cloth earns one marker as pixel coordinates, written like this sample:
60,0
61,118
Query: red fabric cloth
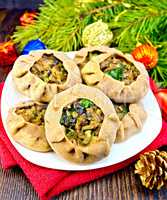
48,182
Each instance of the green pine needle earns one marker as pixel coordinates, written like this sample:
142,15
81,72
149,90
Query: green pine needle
60,25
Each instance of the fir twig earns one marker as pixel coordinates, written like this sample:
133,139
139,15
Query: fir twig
60,25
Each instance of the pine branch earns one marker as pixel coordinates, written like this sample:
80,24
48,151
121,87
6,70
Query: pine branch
103,8
56,30
139,24
60,25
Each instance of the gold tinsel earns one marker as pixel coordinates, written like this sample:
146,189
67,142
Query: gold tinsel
152,169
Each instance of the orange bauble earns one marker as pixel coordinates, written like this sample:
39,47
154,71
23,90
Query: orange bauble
146,54
28,18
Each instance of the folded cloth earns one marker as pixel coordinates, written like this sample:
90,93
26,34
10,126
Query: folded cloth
48,182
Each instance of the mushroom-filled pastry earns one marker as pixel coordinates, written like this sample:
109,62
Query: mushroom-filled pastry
43,73
84,55
81,124
117,75
26,125
132,118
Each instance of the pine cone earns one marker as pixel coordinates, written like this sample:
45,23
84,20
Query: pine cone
152,169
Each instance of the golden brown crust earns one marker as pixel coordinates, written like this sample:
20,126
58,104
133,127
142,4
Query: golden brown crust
30,135
35,88
115,89
81,55
55,132
131,123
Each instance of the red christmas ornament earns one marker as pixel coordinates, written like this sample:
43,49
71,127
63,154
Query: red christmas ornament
146,54
161,96
8,53
28,18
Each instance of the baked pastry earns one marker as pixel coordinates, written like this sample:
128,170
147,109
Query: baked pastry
117,75
43,73
132,118
84,55
81,124
26,125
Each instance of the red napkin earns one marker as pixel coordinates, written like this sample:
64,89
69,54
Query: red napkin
48,182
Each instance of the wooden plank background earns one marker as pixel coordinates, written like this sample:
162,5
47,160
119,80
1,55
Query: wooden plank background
20,4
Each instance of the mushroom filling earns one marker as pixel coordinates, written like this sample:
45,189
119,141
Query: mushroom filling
33,113
121,109
120,69
49,69
82,120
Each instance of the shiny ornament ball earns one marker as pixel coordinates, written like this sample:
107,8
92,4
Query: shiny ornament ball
33,45
161,96
28,18
8,53
146,54
97,34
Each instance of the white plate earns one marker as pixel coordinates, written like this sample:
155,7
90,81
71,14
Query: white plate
119,152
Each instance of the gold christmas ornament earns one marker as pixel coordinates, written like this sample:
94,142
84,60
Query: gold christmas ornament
97,34
152,169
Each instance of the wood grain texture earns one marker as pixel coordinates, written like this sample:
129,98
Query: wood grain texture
122,185
8,24
3,14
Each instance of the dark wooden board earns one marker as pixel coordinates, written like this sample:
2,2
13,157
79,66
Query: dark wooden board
122,185
20,4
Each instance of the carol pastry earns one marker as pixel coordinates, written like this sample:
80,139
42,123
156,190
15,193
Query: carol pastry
117,75
43,73
81,124
84,55
26,125
132,118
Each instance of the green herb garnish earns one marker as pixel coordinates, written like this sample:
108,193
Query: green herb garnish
116,73
86,103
